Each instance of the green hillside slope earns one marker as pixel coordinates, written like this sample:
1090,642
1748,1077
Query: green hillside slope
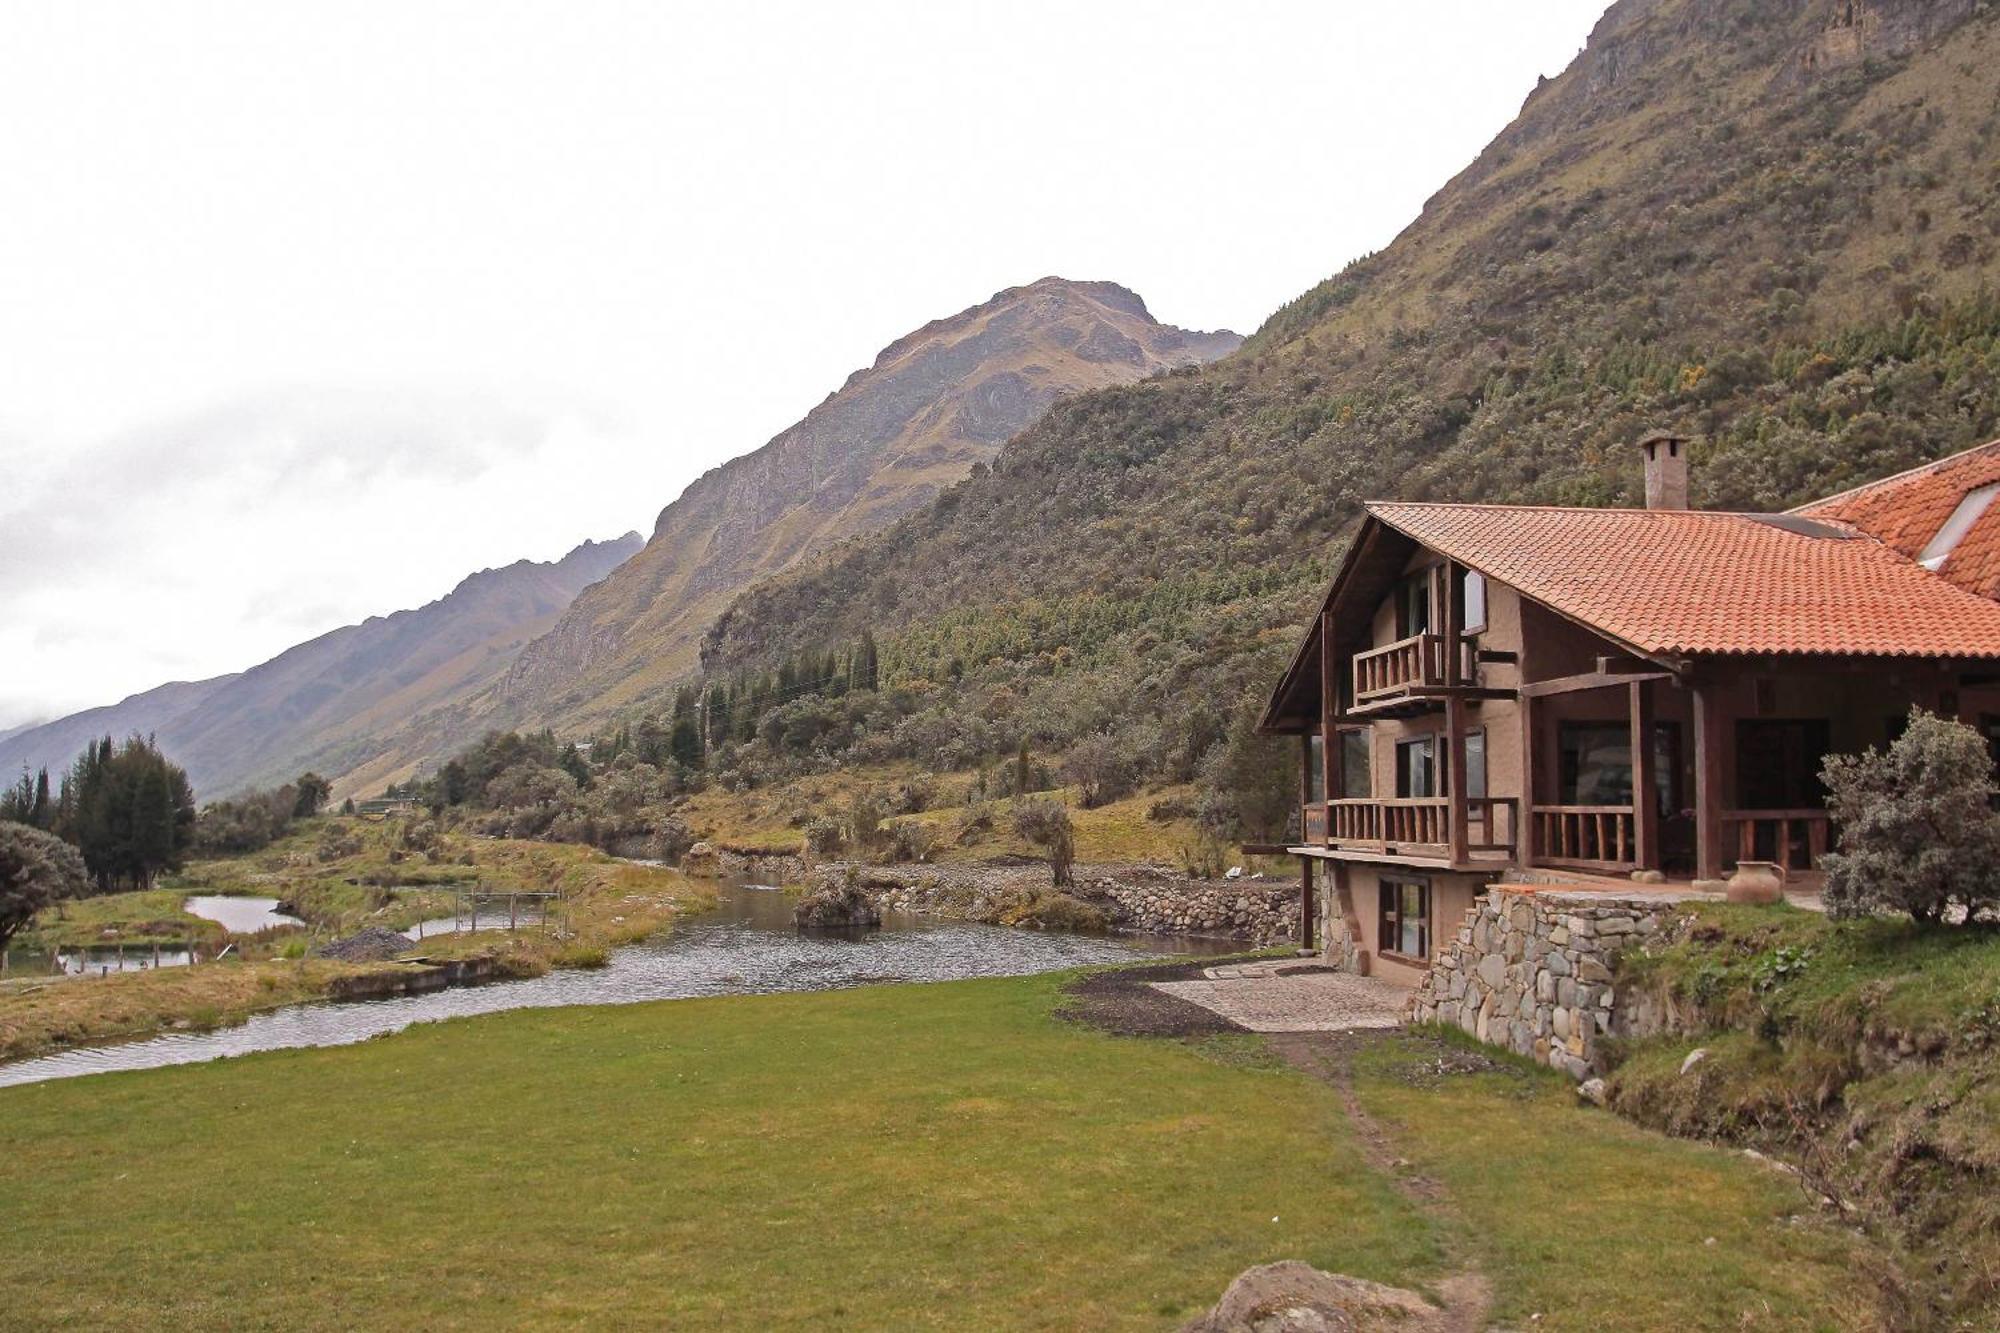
1773,226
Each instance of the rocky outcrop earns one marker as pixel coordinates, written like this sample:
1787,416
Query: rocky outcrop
1294,1297
837,901
1531,970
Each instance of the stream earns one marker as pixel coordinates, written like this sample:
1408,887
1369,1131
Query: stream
747,945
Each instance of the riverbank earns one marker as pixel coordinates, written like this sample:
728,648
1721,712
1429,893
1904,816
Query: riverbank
884,1156
339,875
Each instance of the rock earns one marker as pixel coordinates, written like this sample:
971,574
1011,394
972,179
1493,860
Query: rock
837,902
376,944
701,859
1694,1057
1648,877
1293,1297
1592,1091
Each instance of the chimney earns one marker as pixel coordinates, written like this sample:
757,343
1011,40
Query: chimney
1666,470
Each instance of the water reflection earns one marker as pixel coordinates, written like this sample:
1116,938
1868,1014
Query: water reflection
240,916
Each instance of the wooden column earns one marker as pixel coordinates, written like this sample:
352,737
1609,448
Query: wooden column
1707,782
1452,674
1308,916
1524,831
1329,704
1454,728
1305,779
1645,808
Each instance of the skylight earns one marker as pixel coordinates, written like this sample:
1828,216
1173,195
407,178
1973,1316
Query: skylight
1962,518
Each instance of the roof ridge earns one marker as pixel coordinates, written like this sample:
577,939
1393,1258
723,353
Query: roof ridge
1372,505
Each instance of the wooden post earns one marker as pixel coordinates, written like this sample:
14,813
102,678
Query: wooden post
1524,832
1329,699
1452,675
1308,916
1305,779
1454,725
510,912
1707,782
1645,808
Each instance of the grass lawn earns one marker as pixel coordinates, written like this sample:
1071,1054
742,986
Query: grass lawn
884,1157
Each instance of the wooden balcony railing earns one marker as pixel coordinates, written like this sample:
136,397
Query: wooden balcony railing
1794,839
1419,660
1592,837
1411,821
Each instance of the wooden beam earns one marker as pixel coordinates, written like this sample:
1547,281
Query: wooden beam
1524,834
1308,917
1452,653
1454,728
1589,680
1707,782
1645,809
1329,704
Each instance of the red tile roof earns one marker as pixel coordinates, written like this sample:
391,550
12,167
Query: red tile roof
1677,583
1907,510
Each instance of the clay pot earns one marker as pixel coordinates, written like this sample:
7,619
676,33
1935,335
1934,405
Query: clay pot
1757,882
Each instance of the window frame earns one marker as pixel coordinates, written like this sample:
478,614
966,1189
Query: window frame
1464,594
1367,758
1413,590
1430,740
1391,919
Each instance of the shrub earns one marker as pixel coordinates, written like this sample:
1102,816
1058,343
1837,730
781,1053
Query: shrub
823,836
1918,832
1046,824
913,840
36,869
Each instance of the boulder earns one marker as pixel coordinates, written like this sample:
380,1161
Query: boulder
837,902
1294,1297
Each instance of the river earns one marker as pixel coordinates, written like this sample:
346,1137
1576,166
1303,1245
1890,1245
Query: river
747,945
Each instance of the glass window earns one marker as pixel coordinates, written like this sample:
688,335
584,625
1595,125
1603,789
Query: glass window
1472,597
1595,760
1355,778
1413,606
1315,769
1417,767
1475,763
1406,917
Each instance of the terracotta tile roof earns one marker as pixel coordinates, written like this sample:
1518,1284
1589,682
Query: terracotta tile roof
1907,510
1687,582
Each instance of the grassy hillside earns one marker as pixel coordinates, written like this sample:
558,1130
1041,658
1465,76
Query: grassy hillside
1771,226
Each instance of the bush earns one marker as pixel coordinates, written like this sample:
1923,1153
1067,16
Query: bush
1918,832
1046,824
36,869
913,840
823,836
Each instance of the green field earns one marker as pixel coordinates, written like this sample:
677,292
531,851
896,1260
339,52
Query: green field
930,1156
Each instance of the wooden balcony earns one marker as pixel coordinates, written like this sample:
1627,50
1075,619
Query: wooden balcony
1589,837
1417,662
1795,839
1411,827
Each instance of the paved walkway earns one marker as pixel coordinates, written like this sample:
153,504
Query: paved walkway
1293,995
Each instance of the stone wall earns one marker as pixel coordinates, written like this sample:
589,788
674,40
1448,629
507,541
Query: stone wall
1530,970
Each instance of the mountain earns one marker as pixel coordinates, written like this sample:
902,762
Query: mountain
327,703
1772,225
935,405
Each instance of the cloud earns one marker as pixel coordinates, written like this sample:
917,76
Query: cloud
210,542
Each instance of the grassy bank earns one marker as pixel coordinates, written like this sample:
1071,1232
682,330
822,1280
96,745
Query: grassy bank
1865,1053
896,1156
340,875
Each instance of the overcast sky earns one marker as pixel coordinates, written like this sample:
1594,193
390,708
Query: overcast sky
309,310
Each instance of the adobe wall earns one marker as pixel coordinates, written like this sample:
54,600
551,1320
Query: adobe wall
1530,970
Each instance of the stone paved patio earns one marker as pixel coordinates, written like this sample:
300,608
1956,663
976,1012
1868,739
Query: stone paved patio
1293,995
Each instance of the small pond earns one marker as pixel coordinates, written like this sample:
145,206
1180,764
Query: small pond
746,946
240,916
97,960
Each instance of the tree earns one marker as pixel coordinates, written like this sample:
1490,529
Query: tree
128,810
36,869
312,791
1046,824
1918,831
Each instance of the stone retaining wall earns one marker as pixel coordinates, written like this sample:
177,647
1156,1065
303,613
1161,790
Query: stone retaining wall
1531,971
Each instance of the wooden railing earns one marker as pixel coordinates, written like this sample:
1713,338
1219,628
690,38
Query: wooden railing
1491,823
1416,661
1594,837
1313,823
1393,822
1794,839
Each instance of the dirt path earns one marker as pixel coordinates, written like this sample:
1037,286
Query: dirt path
1467,1295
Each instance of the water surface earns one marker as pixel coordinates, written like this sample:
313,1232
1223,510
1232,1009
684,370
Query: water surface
240,916
746,946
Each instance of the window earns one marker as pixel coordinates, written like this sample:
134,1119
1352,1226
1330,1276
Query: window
1413,606
1974,504
1475,763
1406,918
1595,763
1315,769
1778,762
1472,602
1355,778
1417,767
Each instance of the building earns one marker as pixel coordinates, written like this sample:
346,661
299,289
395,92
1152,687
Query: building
1532,694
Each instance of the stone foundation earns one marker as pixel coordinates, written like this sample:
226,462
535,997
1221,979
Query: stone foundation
1531,971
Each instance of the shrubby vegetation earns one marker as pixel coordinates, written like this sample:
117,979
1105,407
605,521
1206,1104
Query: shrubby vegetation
37,870
1918,831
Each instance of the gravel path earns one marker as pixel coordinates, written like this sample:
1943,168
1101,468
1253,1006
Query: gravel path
1290,996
